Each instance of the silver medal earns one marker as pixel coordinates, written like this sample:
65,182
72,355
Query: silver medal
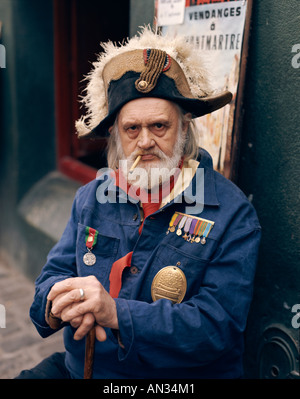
89,259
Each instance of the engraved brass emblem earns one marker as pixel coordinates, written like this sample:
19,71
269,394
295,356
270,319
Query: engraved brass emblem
169,283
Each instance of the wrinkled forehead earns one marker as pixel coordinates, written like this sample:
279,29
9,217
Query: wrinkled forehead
150,110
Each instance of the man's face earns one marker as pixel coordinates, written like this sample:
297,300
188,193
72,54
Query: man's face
149,127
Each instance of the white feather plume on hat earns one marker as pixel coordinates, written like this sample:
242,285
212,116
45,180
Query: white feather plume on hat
189,59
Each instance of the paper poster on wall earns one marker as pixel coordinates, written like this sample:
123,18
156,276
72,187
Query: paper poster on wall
216,29
170,12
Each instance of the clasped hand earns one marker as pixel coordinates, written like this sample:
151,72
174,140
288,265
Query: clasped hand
97,308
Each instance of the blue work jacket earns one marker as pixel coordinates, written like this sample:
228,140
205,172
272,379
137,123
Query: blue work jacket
201,337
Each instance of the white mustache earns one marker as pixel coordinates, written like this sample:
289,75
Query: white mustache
158,153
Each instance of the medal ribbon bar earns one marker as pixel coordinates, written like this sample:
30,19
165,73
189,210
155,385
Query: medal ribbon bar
193,226
90,237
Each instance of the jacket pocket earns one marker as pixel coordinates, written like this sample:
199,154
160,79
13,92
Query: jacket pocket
105,251
193,268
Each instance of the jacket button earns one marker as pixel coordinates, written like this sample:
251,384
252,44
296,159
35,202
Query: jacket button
135,216
133,270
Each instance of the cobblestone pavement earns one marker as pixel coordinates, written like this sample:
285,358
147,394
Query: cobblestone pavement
21,347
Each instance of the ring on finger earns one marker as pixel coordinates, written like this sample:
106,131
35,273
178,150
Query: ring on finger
82,294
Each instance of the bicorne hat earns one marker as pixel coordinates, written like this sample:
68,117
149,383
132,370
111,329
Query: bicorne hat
148,65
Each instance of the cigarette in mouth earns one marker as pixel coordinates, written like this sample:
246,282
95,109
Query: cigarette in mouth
138,158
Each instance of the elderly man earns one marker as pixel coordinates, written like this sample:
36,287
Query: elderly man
157,260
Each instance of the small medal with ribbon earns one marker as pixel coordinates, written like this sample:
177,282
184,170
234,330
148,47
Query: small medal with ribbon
91,235
195,229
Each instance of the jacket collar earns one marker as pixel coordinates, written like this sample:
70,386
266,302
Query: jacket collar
210,196
197,179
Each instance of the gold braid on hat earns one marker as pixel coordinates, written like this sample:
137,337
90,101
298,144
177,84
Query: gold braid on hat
154,67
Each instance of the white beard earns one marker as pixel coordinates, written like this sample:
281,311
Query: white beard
154,174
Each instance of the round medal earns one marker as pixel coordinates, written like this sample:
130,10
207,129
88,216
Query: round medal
89,259
169,283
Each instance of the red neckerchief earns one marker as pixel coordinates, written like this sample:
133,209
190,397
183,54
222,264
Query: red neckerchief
149,207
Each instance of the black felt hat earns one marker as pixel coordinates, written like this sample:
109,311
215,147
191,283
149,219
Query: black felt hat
150,73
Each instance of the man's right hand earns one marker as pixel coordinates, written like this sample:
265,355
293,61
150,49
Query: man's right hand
64,296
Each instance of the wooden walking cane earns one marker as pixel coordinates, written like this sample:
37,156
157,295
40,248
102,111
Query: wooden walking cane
55,323
89,354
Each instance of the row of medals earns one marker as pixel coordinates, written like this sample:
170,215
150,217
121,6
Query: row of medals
188,237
